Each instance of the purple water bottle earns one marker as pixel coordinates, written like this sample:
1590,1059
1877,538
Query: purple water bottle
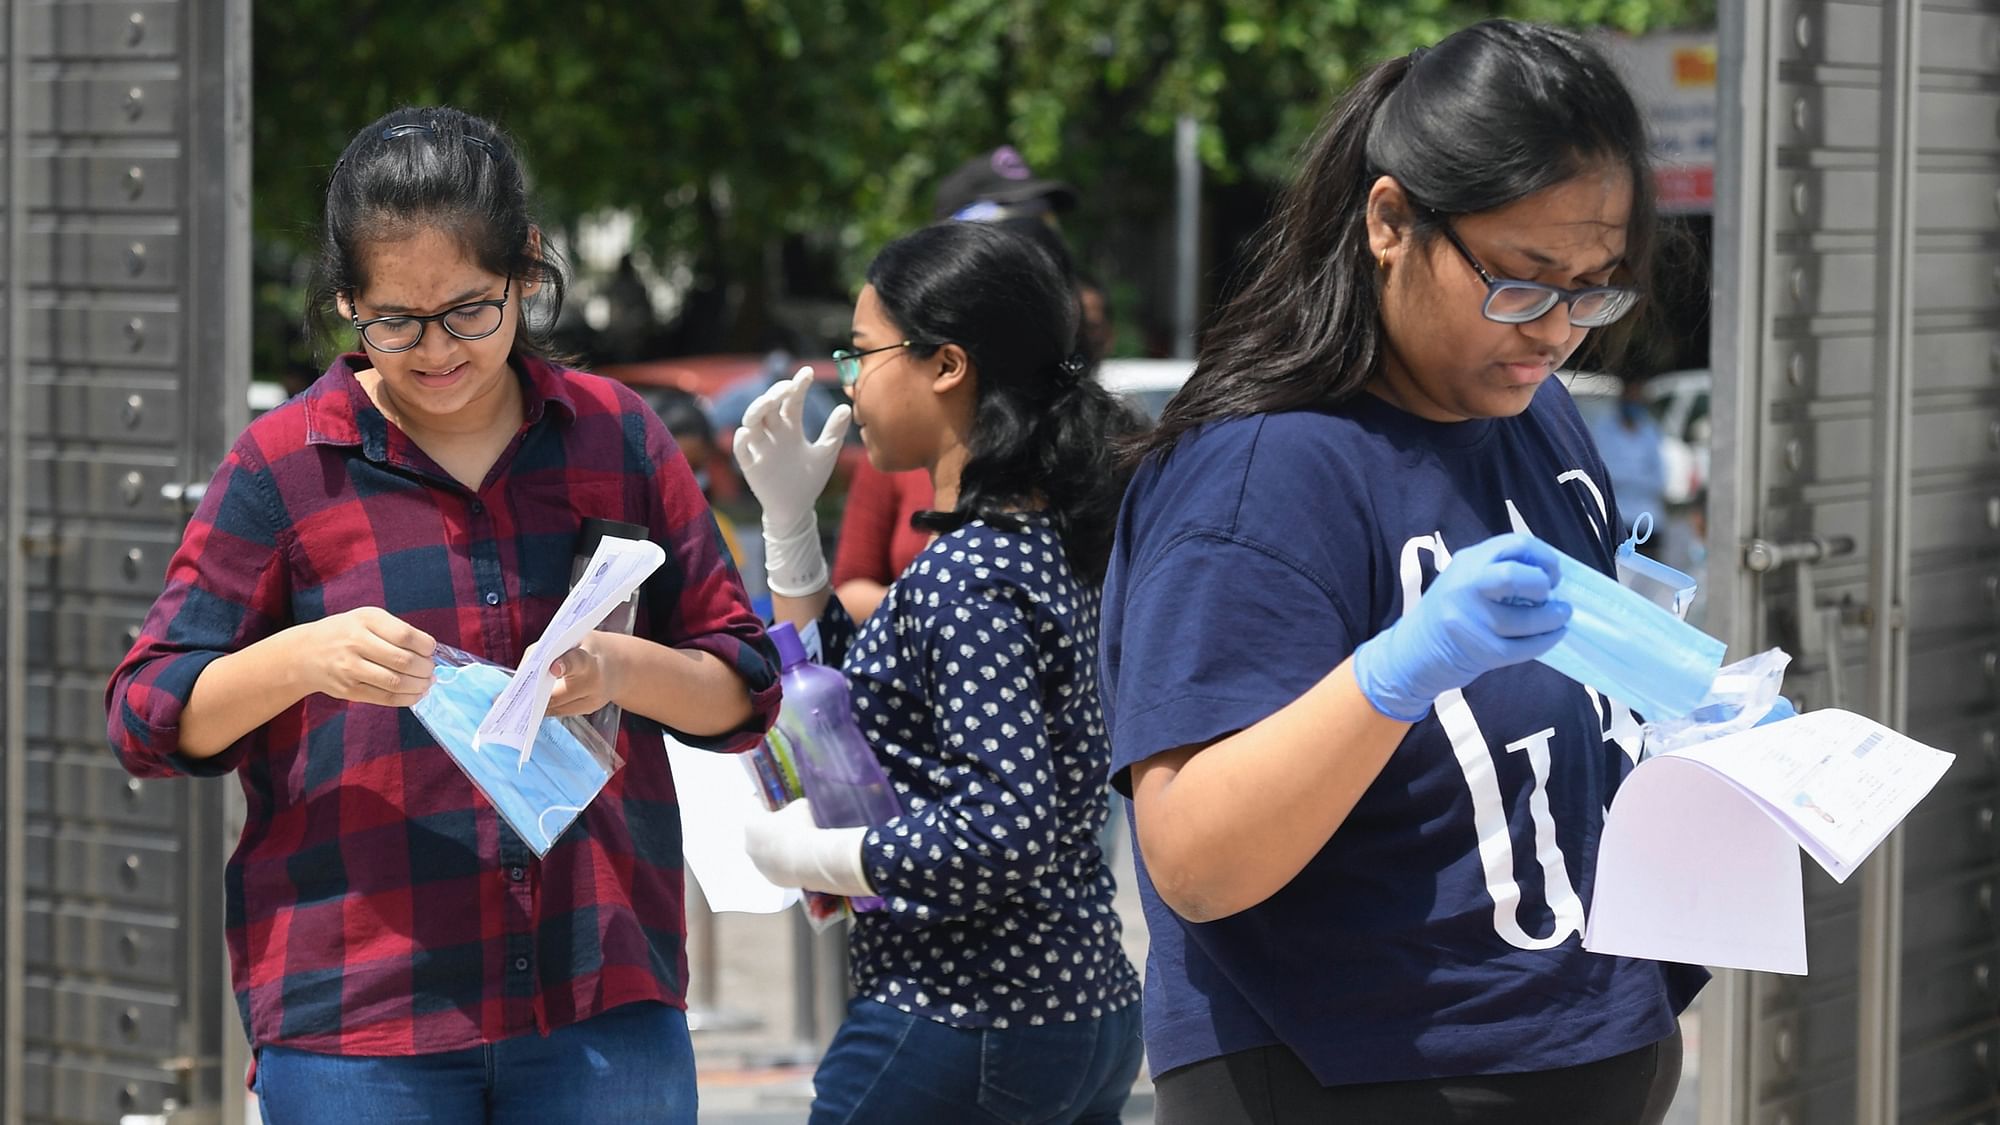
836,765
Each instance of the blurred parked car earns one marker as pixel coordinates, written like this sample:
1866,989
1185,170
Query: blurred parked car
1145,383
727,384
1679,400
265,396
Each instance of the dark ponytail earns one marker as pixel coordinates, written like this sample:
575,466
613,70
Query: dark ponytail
1492,114
1043,427
443,169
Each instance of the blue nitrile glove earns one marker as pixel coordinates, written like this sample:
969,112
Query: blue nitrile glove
1781,709
1488,609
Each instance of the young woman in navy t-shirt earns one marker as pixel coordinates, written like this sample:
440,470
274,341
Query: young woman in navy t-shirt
1367,820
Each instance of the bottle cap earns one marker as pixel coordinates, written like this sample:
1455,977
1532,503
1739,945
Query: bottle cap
791,650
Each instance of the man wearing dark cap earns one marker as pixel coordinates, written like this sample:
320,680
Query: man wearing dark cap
996,186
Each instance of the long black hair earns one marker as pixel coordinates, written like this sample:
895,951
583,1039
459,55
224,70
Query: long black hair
1043,427
1495,113
440,168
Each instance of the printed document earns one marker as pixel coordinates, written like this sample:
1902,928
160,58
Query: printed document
1699,858
617,568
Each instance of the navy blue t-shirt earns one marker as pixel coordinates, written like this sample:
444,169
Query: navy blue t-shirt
1438,932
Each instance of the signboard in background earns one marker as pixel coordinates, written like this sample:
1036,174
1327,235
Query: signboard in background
1672,73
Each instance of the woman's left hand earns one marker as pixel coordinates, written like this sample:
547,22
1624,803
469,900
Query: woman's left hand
791,850
588,676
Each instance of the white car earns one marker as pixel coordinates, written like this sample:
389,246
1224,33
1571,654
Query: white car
1679,401
1145,383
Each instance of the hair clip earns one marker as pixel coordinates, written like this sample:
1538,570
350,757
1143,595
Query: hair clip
412,128
1074,366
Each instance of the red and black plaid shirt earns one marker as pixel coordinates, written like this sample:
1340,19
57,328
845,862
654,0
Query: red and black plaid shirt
376,903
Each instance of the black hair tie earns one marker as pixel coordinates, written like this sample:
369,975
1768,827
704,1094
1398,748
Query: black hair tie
1071,370
1417,56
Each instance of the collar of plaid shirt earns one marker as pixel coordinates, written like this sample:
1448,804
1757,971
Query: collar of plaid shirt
376,903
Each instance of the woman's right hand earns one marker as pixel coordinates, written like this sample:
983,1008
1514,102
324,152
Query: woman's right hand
1488,609
366,655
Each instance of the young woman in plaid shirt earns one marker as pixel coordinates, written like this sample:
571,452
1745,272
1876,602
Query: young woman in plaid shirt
398,953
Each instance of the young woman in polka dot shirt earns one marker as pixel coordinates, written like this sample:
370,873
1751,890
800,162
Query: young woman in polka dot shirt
992,987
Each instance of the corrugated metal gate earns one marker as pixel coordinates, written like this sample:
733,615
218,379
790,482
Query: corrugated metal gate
1856,522
125,362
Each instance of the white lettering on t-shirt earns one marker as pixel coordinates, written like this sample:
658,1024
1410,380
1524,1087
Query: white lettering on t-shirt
1601,518
1497,847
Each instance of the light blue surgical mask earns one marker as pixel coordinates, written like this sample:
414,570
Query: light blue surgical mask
539,799
1632,650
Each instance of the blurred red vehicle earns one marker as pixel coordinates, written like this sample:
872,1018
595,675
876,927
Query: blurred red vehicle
725,384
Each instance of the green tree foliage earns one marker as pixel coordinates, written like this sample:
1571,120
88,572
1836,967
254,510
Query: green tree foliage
725,125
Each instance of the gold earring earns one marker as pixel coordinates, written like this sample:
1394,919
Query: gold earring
1383,261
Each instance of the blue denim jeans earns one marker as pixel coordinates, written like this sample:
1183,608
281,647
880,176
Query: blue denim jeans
887,1067
633,1065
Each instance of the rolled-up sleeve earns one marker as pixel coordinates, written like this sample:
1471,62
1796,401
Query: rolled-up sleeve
697,600
993,830
226,588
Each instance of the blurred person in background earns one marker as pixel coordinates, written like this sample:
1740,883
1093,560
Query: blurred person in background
1100,332
398,952
877,539
629,319
998,186
993,987
1629,441
1365,816
683,415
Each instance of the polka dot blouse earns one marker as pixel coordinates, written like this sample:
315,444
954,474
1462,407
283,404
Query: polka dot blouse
976,683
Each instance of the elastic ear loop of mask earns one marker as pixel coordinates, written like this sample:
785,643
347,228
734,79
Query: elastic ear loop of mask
448,672
542,821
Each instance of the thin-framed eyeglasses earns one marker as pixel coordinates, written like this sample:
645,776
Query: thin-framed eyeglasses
474,320
847,361
1511,301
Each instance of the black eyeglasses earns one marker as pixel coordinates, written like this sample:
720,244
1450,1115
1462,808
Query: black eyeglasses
474,320
1510,301
848,362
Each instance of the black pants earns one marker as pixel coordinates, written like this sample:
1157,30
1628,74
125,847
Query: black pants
1270,1086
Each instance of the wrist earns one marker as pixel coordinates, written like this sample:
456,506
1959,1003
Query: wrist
1375,668
838,865
299,675
790,525
614,660
794,563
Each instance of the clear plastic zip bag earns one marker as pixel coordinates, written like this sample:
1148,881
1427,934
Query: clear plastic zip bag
1652,579
1741,696
539,797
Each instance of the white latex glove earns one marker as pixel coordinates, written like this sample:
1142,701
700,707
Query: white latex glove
787,473
791,851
